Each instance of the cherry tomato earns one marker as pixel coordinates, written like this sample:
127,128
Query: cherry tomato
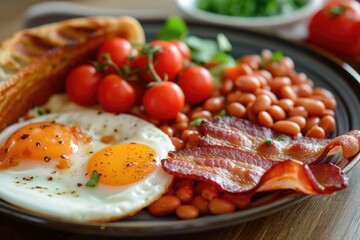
183,48
115,94
81,85
164,100
118,48
167,62
336,28
196,83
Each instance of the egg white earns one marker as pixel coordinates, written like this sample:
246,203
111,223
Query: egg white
44,189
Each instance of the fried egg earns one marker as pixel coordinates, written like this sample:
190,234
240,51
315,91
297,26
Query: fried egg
83,165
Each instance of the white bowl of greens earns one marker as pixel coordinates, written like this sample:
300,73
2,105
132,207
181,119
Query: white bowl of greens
250,13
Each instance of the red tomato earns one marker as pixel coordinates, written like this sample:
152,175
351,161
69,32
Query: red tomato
167,63
196,83
183,48
336,28
163,101
81,85
115,94
118,48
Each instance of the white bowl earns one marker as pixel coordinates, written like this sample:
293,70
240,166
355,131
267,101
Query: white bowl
189,7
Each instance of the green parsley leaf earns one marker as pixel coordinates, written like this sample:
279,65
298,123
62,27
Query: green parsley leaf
174,28
268,141
196,122
202,50
93,179
280,138
276,56
222,113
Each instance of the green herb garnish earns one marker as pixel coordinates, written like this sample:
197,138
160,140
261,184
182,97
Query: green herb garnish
93,179
196,122
280,138
174,28
276,56
268,141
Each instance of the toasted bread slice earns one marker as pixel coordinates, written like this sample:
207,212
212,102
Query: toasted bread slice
34,62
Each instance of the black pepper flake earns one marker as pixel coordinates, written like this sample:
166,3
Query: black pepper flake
44,126
115,130
61,142
6,150
91,152
79,184
57,135
63,156
47,158
50,178
24,136
38,144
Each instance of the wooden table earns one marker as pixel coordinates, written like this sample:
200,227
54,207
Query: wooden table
318,217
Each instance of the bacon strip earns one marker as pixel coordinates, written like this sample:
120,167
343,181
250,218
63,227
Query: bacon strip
240,133
238,171
233,155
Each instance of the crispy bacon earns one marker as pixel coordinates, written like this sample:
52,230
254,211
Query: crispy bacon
234,156
240,133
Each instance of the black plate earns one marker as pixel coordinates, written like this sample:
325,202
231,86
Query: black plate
341,80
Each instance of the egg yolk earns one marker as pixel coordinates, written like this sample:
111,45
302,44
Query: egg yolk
122,164
43,141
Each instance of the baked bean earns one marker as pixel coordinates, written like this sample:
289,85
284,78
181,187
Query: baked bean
265,119
221,206
312,106
250,114
298,78
234,97
266,74
227,86
276,112
287,127
273,97
329,112
263,81
214,104
179,127
201,114
251,60
322,91
261,103
304,90
301,121
315,132
282,68
327,123
201,204
177,142
246,98
201,186
190,135
286,104
186,109
167,130
236,71
278,82
209,193
164,205
185,194
298,111
184,183
247,83
330,103
236,109
311,121
181,117
187,212
240,201
287,92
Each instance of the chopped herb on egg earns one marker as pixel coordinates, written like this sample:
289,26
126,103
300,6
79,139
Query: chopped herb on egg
93,179
280,138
